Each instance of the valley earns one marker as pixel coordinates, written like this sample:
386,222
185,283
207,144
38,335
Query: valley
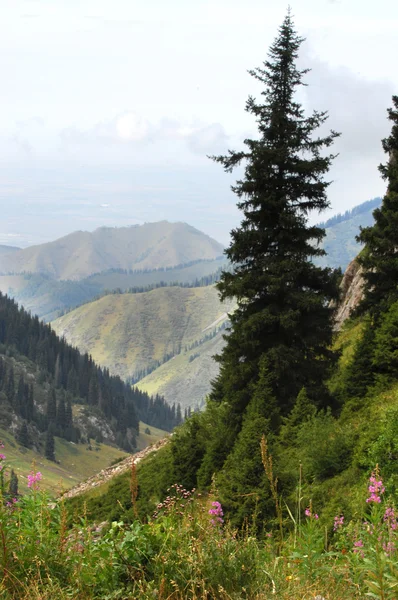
130,333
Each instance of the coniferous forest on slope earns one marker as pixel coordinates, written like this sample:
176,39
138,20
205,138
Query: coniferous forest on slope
41,377
285,485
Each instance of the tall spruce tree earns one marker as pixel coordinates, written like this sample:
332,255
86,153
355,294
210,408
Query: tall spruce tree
283,311
379,258
49,449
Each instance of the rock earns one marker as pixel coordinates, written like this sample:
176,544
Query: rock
113,471
351,293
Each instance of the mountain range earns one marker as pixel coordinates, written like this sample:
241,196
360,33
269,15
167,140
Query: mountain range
8,249
80,254
163,339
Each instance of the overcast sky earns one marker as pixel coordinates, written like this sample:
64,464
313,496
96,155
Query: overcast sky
109,107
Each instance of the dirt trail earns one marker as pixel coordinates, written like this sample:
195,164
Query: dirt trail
113,471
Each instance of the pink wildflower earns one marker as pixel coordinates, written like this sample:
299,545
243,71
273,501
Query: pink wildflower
338,522
217,513
390,519
389,547
33,480
357,548
375,488
308,513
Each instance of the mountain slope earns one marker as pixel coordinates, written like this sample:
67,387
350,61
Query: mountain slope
82,253
8,249
131,332
48,389
186,379
49,298
339,242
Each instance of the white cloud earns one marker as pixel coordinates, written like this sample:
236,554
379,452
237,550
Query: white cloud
131,127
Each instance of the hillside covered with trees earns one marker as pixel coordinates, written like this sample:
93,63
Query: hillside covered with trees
42,378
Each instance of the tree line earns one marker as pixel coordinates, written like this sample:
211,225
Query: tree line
70,377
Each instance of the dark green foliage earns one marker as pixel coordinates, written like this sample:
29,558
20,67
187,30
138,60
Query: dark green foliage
380,257
61,414
384,450
13,484
187,450
23,435
374,361
359,375
385,355
242,483
9,386
68,414
302,411
76,377
49,450
324,447
51,411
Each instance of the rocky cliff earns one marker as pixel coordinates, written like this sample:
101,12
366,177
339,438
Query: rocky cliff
351,293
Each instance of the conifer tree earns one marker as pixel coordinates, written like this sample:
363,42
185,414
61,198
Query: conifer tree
61,414
379,258
23,435
10,385
283,312
68,414
19,403
30,406
51,412
13,485
303,410
242,483
49,450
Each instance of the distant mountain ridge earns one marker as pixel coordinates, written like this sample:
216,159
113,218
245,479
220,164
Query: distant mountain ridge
339,242
8,249
49,298
81,254
365,207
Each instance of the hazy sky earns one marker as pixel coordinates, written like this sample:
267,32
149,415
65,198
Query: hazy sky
109,107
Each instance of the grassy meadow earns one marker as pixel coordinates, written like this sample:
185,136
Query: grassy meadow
125,332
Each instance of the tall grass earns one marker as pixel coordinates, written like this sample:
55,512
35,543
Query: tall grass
185,550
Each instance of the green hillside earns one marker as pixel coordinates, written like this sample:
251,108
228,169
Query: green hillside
130,332
339,242
48,298
186,379
75,462
186,273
